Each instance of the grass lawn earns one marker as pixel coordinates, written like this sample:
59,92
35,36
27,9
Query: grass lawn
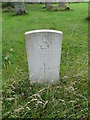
68,98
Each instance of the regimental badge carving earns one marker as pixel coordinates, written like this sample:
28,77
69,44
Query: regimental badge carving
44,45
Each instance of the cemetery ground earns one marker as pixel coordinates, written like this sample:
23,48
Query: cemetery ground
69,97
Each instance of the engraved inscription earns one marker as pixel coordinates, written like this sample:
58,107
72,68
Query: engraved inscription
44,45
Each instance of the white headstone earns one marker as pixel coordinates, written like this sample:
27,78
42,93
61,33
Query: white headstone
43,53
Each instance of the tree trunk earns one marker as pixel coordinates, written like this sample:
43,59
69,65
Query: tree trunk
20,8
48,5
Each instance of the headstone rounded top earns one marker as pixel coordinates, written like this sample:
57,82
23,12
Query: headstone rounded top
43,31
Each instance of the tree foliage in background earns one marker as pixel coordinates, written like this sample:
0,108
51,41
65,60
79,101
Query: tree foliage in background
19,7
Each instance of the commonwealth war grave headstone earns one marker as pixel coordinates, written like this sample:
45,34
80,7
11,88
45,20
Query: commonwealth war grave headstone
43,53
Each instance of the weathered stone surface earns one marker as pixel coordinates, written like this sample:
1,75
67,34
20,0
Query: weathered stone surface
48,5
62,4
20,8
43,53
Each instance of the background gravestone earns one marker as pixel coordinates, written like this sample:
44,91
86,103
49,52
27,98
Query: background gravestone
20,8
43,53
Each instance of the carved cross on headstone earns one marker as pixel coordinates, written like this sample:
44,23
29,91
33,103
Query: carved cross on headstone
44,69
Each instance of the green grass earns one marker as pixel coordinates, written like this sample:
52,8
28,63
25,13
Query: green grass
68,98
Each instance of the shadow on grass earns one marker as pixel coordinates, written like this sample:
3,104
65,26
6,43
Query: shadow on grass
14,15
57,9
